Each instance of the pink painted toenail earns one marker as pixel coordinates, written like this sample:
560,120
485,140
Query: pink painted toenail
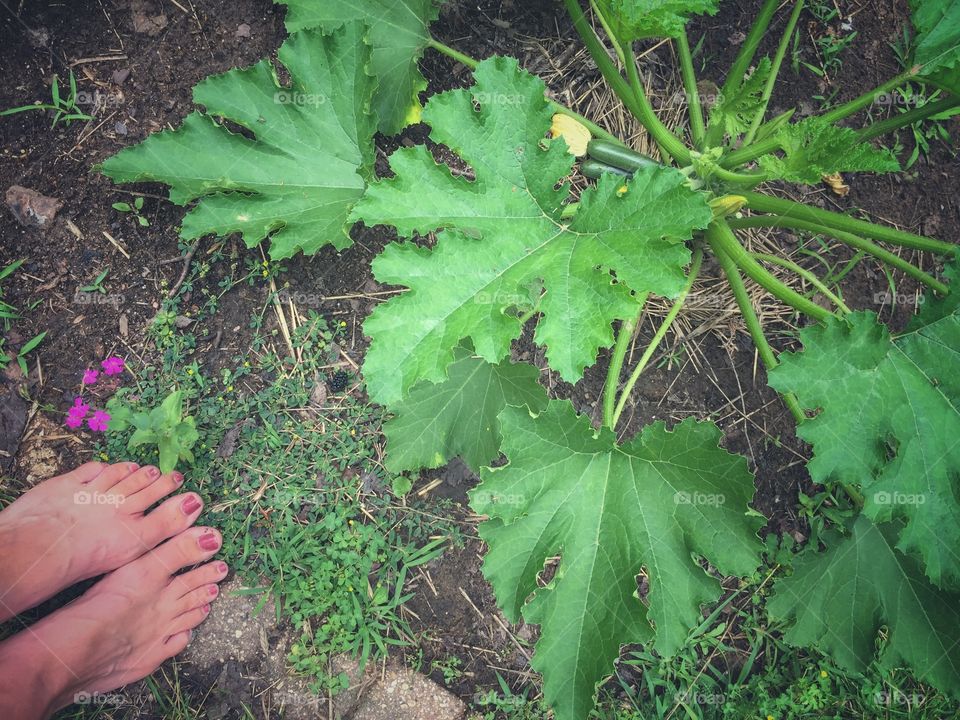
222,568
190,505
134,467
206,609
178,478
209,541
214,590
153,473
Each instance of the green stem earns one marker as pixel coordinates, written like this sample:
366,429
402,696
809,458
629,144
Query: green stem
472,63
742,62
774,72
692,273
669,143
608,30
805,274
909,117
724,238
751,179
451,52
846,238
636,103
627,328
750,318
750,152
859,103
836,221
697,127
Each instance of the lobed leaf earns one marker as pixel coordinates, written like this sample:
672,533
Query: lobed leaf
304,168
398,34
503,242
735,111
611,513
840,599
938,41
889,420
438,421
812,148
638,19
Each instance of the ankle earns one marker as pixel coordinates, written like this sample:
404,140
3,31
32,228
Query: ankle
34,682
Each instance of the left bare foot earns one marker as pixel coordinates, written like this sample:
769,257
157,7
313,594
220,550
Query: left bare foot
85,523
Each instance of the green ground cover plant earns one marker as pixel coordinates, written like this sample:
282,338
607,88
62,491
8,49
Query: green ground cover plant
306,514
513,251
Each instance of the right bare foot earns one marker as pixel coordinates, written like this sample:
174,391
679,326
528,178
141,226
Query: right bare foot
82,524
119,631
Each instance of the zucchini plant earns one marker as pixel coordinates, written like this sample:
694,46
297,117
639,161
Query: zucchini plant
514,250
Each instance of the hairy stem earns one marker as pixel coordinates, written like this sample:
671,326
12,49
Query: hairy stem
697,127
472,63
742,62
722,237
846,238
608,30
669,143
774,72
900,120
859,103
750,319
627,329
836,221
636,103
750,152
805,274
692,273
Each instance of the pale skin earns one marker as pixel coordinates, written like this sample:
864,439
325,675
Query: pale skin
158,582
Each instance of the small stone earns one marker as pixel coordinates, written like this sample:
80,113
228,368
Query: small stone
120,76
120,128
243,31
30,207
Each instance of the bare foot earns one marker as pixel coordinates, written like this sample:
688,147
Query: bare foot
118,632
85,523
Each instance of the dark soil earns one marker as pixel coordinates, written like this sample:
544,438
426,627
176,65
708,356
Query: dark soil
48,38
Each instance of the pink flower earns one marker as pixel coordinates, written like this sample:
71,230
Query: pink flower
90,376
77,413
99,421
112,365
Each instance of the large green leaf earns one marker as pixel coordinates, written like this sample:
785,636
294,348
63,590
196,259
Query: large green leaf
890,420
938,40
637,19
306,165
398,34
812,148
438,421
504,237
840,599
611,513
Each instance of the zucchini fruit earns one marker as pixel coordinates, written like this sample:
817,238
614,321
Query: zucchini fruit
616,156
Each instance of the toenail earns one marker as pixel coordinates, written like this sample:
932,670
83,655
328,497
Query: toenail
178,478
206,609
222,568
133,467
209,541
153,472
190,505
213,590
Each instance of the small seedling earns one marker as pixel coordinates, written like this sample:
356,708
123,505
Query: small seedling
163,426
64,109
97,284
9,313
133,210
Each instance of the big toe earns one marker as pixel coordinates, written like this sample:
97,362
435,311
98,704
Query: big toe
190,547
